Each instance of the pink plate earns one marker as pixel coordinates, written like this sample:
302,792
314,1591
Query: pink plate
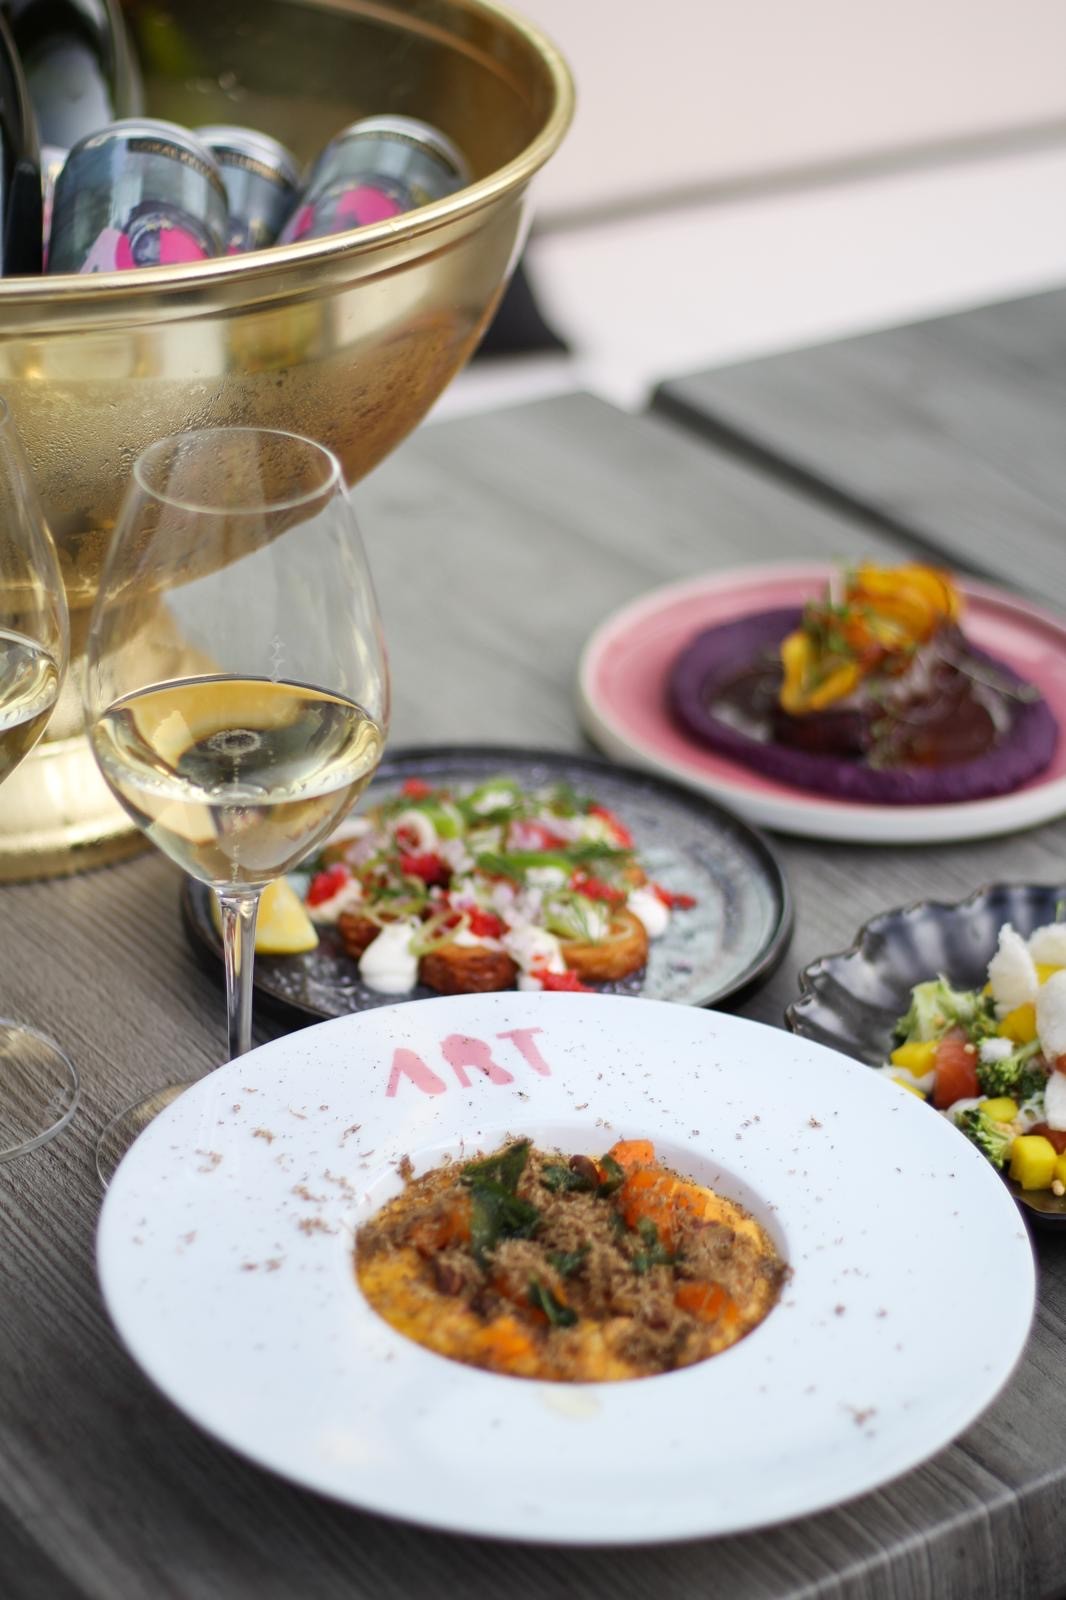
622,695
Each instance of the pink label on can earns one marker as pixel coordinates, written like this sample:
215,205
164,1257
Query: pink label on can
366,203
155,240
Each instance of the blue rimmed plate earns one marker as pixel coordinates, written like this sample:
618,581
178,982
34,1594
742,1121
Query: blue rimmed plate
727,944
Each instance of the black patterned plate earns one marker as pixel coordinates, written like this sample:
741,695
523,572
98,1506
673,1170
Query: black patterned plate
730,941
851,1000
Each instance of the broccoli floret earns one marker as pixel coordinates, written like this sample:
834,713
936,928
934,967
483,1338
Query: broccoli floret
935,1007
993,1139
1014,1076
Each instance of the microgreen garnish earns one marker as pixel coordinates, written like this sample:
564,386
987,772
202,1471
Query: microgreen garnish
567,1262
654,1253
558,1315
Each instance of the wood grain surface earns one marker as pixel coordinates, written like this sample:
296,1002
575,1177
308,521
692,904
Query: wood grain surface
498,543
950,431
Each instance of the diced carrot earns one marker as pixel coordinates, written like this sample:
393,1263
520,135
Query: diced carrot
649,1195
652,1194
707,1302
631,1153
504,1343
439,1231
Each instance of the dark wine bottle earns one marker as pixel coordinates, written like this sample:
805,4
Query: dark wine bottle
79,65
20,168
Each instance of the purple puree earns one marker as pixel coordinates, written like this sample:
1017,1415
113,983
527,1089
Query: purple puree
716,658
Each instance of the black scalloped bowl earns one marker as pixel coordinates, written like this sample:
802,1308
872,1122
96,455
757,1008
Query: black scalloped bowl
850,1000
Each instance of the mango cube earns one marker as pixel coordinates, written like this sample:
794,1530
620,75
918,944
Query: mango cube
916,1058
1032,1161
1044,971
1019,1025
1002,1109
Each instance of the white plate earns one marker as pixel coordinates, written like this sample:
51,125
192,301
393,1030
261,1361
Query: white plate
622,698
225,1256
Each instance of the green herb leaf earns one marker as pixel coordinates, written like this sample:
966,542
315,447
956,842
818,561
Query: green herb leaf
614,1179
597,850
558,1315
654,1254
564,800
560,1179
567,1262
494,1215
504,1169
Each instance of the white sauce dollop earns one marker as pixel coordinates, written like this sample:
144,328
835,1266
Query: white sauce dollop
529,946
464,937
389,964
646,905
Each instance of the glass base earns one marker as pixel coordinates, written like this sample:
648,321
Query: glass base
124,1129
39,1089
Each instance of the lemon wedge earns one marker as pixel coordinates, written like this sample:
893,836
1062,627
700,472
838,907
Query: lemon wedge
283,927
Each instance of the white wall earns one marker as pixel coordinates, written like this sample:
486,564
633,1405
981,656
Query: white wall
685,93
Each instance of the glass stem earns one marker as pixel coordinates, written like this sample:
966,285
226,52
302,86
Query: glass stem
239,908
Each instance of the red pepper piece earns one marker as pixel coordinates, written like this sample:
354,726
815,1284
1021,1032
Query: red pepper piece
622,835
529,835
426,865
324,885
416,789
486,924
673,902
596,889
564,982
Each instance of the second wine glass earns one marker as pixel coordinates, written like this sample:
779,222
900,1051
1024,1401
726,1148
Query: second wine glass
237,690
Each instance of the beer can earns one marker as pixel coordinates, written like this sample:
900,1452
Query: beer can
140,193
261,178
375,169
53,160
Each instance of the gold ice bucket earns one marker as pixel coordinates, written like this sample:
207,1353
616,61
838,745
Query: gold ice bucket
349,339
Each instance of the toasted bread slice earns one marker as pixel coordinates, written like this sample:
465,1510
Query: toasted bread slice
467,969
623,950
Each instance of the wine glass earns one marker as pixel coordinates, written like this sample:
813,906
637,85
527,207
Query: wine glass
38,1085
237,692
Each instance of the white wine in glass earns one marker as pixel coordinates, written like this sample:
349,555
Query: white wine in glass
30,677
236,778
237,693
38,1085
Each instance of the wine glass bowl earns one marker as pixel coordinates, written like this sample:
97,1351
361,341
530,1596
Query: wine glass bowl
237,692
38,1084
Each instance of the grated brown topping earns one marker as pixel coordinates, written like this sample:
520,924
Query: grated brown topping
664,1270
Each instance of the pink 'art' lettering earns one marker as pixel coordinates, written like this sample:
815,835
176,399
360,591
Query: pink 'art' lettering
462,1051
522,1038
405,1064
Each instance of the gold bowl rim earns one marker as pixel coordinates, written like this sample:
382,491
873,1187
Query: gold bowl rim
93,291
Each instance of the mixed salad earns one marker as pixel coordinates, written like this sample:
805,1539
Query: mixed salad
993,1060
489,888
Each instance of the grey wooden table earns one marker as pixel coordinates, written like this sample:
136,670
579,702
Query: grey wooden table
949,431
532,525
